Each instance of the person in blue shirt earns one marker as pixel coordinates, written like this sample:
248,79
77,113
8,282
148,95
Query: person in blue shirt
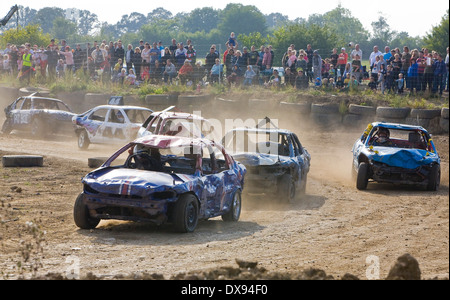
439,72
412,75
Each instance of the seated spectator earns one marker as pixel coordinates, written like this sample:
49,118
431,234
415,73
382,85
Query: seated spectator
289,77
248,76
131,78
301,81
170,72
372,83
274,81
185,72
198,73
216,71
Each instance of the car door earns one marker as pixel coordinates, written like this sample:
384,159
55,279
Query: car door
302,155
212,183
115,126
95,125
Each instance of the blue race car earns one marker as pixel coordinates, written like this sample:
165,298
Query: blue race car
163,179
396,153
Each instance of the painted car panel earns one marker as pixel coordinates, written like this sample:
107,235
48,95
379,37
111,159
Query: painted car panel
265,170
54,114
121,186
403,162
109,124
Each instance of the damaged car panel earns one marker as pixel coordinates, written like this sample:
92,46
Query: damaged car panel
276,162
398,154
40,116
109,124
163,179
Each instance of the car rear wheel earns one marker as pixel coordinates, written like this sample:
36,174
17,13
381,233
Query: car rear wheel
83,140
235,210
362,178
81,215
435,178
185,216
286,188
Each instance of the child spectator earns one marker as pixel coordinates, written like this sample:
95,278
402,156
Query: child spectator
131,77
372,83
248,76
232,41
60,68
400,83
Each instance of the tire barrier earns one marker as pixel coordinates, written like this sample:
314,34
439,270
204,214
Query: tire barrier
325,114
22,161
359,115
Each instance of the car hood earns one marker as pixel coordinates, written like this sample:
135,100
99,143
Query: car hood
403,158
133,182
253,159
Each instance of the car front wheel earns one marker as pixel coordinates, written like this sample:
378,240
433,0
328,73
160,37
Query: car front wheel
435,178
81,215
362,178
186,214
83,140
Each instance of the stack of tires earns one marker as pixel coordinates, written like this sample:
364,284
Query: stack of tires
392,114
427,118
359,115
444,119
326,115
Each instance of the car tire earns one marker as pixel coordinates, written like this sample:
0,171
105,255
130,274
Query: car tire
37,128
286,188
303,184
435,178
22,161
185,218
235,210
83,140
362,178
81,215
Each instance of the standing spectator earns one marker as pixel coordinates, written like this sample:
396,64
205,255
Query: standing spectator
428,73
154,54
317,65
248,76
119,52
180,56
400,83
334,61
387,53
136,59
412,75
229,61
173,48
406,60
79,57
167,55
388,79
440,74
373,56
191,54
98,57
141,45
301,63
245,55
129,57
60,68
52,58
356,69
68,54
446,64
356,51
342,61
267,58
396,66
262,51
145,54
309,53
26,66
253,57
421,64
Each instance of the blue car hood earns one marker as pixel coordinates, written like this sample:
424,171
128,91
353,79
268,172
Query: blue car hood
132,182
403,158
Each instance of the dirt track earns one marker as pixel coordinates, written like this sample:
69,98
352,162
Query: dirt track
335,227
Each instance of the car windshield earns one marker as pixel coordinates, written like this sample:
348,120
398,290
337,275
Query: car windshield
408,139
49,104
180,160
266,142
137,116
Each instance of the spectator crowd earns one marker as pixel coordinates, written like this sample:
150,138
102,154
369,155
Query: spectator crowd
391,71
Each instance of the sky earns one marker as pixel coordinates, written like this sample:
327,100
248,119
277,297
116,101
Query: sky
414,17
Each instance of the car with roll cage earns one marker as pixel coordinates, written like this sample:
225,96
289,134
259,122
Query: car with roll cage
398,154
40,116
163,179
276,161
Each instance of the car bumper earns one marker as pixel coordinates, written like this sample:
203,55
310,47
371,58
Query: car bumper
385,173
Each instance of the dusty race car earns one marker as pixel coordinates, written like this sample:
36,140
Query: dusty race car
173,123
40,116
109,124
163,179
396,153
277,164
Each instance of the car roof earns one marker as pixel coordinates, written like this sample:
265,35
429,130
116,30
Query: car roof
181,115
398,126
264,130
123,107
42,98
166,142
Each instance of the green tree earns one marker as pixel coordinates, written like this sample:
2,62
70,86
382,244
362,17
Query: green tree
32,34
255,39
63,29
45,17
438,38
241,19
201,19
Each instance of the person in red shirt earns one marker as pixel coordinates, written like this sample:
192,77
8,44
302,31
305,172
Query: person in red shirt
342,60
